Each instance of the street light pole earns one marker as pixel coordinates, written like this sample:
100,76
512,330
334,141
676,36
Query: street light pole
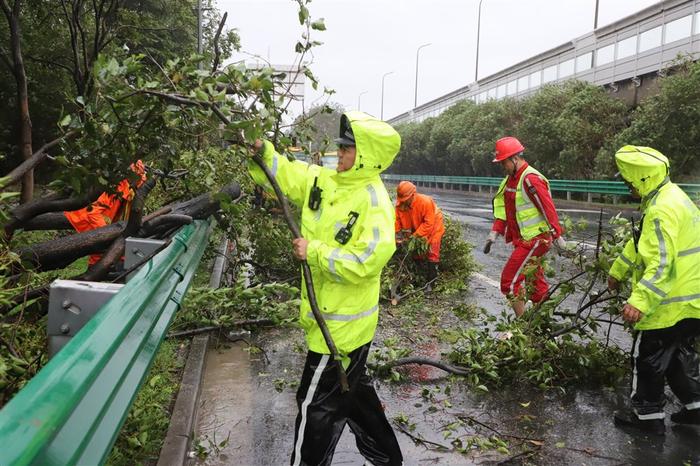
359,99
384,76
415,100
478,35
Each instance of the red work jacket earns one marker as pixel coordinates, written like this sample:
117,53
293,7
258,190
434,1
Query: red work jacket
539,195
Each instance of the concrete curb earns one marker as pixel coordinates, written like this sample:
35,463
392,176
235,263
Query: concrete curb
182,421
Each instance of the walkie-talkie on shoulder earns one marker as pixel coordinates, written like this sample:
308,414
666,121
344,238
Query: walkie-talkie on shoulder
315,196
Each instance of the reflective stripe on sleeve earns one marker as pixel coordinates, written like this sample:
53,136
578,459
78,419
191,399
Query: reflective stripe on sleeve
624,259
361,259
693,405
662,251
653,287
273,170
372,195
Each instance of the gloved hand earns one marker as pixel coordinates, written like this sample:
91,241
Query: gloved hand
560,246
490,240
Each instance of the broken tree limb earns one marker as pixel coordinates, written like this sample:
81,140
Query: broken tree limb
164,222
57,253
48,221
205,205
214,328
52,203
423,361
421,440
15,176
100,270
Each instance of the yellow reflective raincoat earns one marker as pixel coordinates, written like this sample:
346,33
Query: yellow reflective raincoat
346,276
665,260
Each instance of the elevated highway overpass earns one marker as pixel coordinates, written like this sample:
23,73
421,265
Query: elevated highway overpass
627,57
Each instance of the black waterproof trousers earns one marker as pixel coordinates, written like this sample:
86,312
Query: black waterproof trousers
324,411
665,355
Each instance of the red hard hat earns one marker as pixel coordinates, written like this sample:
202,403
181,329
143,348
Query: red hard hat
404,191
507,147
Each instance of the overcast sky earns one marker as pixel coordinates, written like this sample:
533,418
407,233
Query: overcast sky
367,38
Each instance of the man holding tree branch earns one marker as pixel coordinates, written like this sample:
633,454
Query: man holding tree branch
347,238
663,260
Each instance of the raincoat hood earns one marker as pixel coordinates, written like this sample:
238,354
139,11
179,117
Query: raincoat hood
643,167
376,142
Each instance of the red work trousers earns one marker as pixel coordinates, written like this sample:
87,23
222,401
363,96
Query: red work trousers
512,276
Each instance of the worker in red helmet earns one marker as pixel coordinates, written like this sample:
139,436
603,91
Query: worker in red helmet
418,215
525,214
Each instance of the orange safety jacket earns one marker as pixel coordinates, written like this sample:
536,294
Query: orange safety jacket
424,219
106,209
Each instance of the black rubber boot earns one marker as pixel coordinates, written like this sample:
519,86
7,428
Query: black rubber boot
629,419
686,416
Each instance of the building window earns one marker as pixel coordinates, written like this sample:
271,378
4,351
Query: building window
535,79
583,62
605,55
491,93
501,92
523,84
650,39
566,68
678,29
549,74
696,30
512,87
627,47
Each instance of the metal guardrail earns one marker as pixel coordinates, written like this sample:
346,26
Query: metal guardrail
613,188
73,409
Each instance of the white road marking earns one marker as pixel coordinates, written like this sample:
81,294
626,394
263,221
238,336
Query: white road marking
488,280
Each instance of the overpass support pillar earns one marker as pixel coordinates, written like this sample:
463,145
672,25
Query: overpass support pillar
590,197
568,195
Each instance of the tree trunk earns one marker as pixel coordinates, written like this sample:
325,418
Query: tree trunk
25,122
60,252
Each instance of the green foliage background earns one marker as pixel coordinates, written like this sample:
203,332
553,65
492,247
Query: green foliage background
570,130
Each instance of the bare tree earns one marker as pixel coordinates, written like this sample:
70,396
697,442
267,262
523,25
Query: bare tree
16,65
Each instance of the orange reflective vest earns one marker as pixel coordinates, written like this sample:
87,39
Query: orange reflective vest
107,208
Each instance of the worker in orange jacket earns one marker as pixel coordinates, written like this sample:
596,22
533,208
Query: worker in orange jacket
418,215
108,207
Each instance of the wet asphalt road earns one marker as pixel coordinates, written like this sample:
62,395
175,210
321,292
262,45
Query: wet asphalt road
251,401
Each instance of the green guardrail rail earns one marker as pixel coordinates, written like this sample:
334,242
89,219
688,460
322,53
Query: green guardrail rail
73,409
614,188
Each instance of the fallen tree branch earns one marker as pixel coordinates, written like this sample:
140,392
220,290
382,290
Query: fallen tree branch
164,222
420,440
213,328
528,452
15,176
52,203
423,361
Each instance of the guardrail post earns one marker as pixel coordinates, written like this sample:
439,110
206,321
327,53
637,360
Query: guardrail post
568,195
590,197
71,305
